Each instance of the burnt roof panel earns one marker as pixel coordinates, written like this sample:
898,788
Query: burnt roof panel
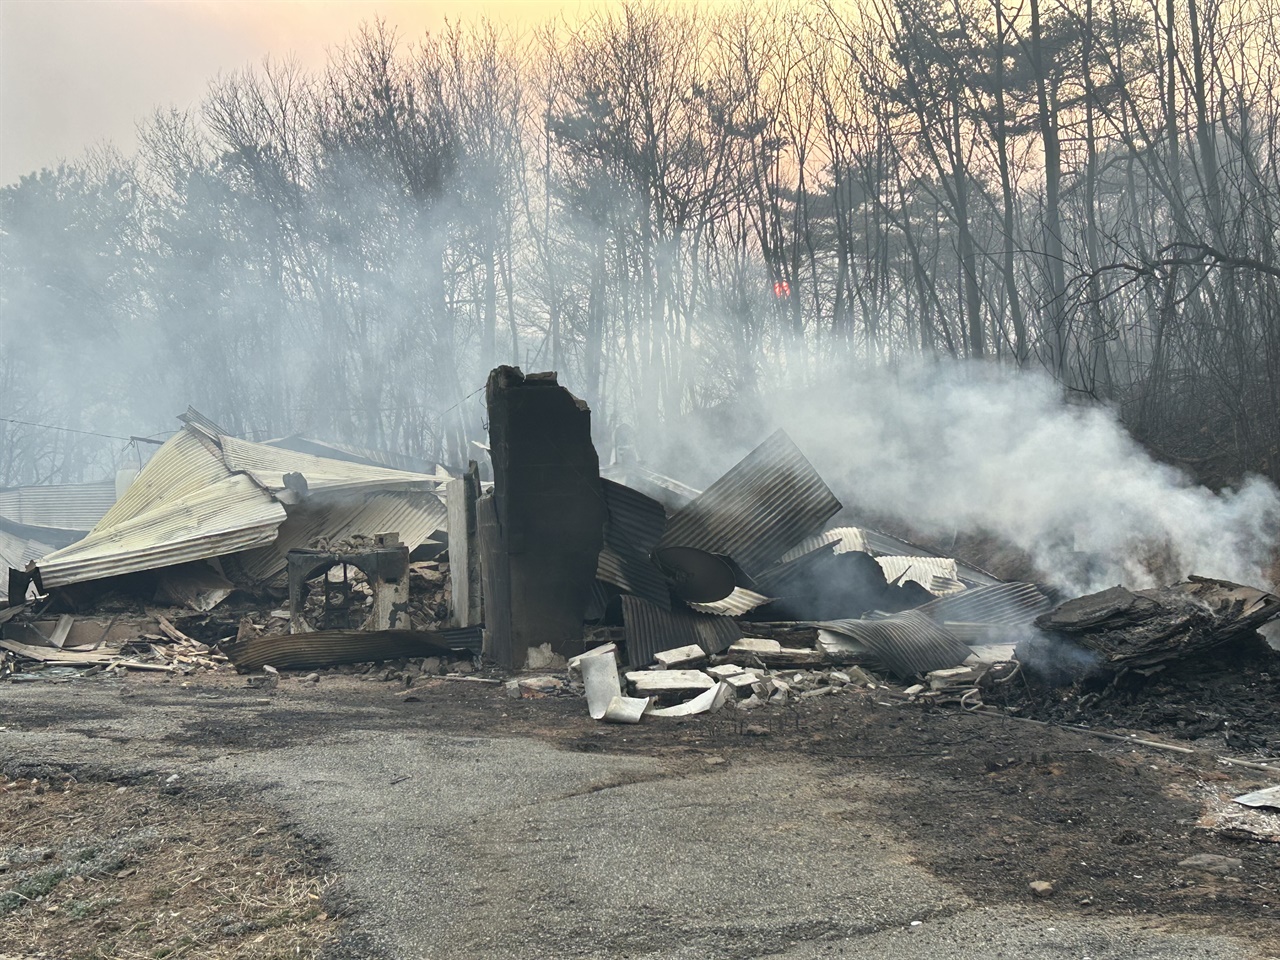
906,643
650,629
766,504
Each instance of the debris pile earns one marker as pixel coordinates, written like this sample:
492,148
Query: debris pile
67,647
649,597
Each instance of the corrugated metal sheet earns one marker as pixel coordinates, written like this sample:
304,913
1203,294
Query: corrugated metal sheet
843,539
921,570
847,539
635,522
1002,604
228,516
415,516
650,629
761,508
68,506
633,574
186,464
633,527
268,465
329,648
906,643
667,491
16,553
741,601
350,453
203,496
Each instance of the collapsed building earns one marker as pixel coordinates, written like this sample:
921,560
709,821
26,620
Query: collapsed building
659,598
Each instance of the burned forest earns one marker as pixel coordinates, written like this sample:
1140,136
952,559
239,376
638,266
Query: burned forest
669,481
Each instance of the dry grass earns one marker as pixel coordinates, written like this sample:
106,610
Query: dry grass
90,872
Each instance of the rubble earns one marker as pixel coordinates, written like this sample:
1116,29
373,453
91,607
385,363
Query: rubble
302,555
1145,629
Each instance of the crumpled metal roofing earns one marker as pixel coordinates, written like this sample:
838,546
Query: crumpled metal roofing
633,526
66,506
767,503
268,465
228,516
1001,604
371,456
669,492
327,648
649,629
16,553
907,643
922,570
848,539
741,601
206,495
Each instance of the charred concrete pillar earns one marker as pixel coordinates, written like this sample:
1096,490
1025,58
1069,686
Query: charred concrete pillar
542,527
465,591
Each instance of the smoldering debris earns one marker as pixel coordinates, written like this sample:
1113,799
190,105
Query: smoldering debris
1143,630
649,598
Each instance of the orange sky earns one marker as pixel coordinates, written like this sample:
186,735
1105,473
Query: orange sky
79,72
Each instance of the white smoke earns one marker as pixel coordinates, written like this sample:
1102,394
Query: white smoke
974,448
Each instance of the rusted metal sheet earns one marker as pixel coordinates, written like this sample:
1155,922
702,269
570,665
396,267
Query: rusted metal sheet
907,643
330,648
766,504
650,629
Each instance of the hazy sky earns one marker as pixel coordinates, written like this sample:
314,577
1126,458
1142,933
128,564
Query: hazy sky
79,72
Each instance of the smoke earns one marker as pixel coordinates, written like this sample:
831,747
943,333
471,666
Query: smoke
976,448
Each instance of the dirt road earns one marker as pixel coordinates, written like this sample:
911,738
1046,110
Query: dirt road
344,820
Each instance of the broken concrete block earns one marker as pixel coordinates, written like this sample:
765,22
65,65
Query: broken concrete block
817,692
914,689
756,645
533,688
655,682
743,680
725,670
666,659
543,658
860,676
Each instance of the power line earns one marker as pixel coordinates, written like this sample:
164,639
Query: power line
86,433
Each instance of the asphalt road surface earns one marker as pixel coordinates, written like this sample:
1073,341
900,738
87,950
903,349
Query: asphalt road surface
464,839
